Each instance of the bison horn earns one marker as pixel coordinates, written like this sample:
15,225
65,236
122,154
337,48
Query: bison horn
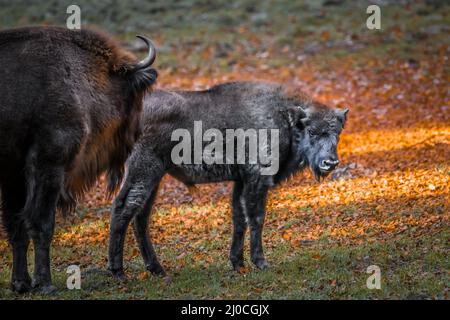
147,62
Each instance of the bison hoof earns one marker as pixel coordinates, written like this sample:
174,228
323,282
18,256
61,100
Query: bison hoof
156,270
45,290
42,287
261,264
238,267
21,286
119,275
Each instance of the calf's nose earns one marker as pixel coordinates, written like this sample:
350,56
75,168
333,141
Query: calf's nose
331,164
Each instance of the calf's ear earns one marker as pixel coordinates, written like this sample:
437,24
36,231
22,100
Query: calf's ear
296,115
342,115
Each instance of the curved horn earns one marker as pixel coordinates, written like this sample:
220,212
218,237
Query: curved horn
147,62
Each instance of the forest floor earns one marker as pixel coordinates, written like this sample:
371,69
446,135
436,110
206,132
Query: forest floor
388,205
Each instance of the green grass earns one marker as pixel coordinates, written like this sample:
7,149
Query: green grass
410,268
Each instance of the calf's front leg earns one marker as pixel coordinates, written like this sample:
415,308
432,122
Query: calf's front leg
239,228
255,196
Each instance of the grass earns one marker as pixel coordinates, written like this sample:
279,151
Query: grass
410,269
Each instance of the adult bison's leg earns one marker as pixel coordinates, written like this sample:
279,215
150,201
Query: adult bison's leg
140,226
239,228
13,200
255,195
144,174
44,183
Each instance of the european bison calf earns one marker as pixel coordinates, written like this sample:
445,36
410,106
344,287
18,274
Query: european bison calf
70,110
284,134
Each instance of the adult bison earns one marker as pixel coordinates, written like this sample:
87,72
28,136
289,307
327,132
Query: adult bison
69,110
303,134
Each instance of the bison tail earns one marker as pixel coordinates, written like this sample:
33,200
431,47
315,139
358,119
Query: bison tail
44,189
31,183
115,177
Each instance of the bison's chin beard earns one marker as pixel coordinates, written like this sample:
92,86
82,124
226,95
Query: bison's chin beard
319,174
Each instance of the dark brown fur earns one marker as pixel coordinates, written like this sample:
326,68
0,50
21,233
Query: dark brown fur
70,110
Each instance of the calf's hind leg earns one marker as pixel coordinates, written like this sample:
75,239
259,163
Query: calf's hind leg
140,226
13,200
134,200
